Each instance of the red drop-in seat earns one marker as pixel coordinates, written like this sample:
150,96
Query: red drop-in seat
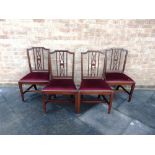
36,77
94,84
110,77
60,84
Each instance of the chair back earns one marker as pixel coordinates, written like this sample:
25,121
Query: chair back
93,65
116,59
38,58
62,64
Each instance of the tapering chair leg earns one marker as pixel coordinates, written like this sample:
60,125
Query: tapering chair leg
35,87
117,88
71,96
131,92
49,97
44,102
110,103
82,96
21,91
77,103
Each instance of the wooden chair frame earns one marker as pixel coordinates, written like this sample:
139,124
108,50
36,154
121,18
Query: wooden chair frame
38,55
94,92
115,64
45,99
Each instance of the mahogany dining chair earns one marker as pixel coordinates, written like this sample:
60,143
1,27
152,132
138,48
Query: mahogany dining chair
38,60
115,76
93,79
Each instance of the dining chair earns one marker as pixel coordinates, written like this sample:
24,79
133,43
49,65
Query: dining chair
38,60
93,79
62,78
115,76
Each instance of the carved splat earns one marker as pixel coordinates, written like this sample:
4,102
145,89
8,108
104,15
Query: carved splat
116,59
92,64
38,58
62,63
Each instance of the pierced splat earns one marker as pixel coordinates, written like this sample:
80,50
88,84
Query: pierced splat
117,59
92,64
62,63
36,58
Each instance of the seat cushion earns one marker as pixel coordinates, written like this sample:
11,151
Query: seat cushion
94,84
60,84
111,77
36,77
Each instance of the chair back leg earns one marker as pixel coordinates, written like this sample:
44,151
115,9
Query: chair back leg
35,87
21,91
110,103
131,92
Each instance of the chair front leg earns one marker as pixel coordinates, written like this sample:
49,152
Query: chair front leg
49,97
131,92
99,96
44,102
21,90
110,103
77,102
71,96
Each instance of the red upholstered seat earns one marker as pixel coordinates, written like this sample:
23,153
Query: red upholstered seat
60,84
36,77
118,77
94,84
